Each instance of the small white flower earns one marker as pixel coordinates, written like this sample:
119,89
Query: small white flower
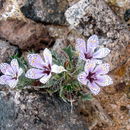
42,68
95,76
11,73
87,52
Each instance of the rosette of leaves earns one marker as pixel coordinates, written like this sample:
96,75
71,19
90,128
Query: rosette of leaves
66,83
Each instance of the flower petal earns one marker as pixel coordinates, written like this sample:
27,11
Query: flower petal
89,66
92,43
45,78
4,78
35,60
81,48
58,69
15,65
6,69
102,69
101,53
20,71
80,45
94,88
47,56
12,83
82,78
104,80
97,61
34,73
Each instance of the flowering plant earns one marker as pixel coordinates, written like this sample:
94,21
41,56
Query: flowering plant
70,75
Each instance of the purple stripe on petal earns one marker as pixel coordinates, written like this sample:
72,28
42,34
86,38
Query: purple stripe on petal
34,73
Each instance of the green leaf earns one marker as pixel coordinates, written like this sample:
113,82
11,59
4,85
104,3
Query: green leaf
58,59
69,51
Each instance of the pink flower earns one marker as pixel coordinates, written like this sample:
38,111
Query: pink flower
95,76
11,73
42,68
88,51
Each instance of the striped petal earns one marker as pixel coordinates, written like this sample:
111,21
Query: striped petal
92,43
94,88
89,66
12,83
102,69
15,65
45,78
47,56
34,73
101,53
104,80
82,78
4,79
35,60
6,69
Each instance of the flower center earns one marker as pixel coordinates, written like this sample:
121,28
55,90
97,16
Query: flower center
87,56
47,69
91,77
15,77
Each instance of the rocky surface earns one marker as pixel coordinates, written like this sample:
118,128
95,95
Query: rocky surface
6,51
7,113
25,35
10,9
92,17
108,110
36,110
46,11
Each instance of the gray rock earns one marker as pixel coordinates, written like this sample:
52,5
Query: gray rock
6,50
37,110
95,17
46,11
7,113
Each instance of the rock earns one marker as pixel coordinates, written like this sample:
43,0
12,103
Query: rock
10,9
25,34
94,114
7,113
96,17
92,17
6,50
46,11
127,15
37,111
